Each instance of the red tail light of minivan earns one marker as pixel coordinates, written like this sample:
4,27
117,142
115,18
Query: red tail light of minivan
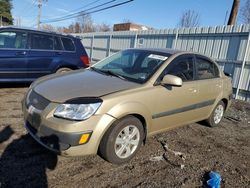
85,60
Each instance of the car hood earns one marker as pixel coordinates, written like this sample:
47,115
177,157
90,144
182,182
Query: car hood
84,83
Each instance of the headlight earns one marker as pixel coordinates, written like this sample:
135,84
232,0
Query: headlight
76,111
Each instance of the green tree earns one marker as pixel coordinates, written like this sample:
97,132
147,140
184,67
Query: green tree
5,12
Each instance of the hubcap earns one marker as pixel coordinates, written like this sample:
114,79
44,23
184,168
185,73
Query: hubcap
127,141
218,114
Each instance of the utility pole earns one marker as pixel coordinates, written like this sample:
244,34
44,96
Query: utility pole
39,13
234,12
40,2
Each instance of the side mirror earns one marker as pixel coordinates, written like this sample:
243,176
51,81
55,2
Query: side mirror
171,80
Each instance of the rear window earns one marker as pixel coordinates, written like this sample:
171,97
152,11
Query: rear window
68,44
41,42
13,39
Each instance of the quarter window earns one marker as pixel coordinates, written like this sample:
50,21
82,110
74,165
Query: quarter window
10,39
183,68
206,69
68,44
41,42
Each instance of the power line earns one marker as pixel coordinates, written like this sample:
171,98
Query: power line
82,13
87,5
28,9
77,13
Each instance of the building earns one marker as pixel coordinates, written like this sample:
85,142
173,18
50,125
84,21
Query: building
129,27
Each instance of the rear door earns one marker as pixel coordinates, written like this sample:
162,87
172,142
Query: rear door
13,62
209,81
41,54
176,105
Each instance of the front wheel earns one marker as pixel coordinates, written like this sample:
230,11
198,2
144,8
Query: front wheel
217,115
121,142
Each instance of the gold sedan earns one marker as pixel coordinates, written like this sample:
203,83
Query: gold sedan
113,106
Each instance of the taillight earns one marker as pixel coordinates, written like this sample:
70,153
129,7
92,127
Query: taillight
85,60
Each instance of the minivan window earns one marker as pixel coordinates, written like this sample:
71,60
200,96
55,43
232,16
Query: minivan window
41,42
68,44
13,39
206,69
57,44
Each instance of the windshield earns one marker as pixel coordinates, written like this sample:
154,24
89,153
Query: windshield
133,65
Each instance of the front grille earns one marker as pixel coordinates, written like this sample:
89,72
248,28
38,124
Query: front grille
36,100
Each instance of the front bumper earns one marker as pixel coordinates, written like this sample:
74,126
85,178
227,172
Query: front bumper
62,136
55,140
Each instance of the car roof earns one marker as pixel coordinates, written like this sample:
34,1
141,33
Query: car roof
36,30
161,50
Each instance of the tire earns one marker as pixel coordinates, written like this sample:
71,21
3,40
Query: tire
62,70
217,115
122,140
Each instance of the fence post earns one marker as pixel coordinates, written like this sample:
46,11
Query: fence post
135,40
176,38
242,67
109,44
92,46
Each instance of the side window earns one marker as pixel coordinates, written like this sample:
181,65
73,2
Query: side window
206,69
68,44
13,39
183,68
57,44
41,42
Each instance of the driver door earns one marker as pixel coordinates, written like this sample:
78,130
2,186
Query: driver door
176,105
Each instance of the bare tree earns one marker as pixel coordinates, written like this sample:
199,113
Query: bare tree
125,20
86,23
48,27
245,12
103,27
189,18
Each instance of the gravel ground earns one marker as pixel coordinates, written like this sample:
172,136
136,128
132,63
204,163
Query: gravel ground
225,149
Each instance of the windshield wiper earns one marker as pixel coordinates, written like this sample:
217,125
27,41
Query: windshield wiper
98,70
114,74
108,72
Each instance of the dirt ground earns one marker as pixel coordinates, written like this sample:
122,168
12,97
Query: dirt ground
225,149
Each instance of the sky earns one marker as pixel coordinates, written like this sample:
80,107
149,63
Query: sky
159,14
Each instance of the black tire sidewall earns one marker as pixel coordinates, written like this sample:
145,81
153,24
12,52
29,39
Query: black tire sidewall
109,145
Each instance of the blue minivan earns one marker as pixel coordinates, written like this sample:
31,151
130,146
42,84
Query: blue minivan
26,54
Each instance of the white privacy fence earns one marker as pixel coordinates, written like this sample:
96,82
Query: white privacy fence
228,45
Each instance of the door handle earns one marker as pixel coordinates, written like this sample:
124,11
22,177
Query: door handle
218,85
21,53
192,90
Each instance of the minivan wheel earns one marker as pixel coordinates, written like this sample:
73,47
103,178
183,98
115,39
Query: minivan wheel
217,115
62,70
122,141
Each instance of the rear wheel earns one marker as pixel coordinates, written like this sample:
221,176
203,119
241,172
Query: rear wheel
217,115
121,142
62,70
